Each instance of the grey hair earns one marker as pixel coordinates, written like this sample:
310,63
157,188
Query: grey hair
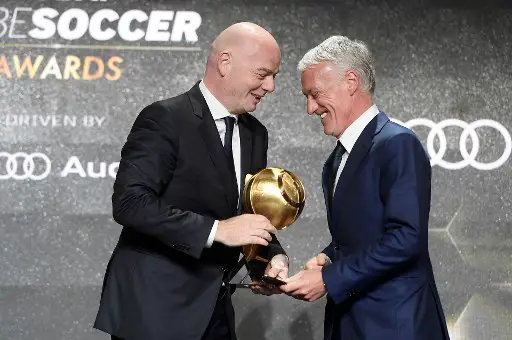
345,53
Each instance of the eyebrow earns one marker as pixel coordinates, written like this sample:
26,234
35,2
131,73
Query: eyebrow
267,70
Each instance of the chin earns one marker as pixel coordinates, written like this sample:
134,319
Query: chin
327,130
250,108
329,133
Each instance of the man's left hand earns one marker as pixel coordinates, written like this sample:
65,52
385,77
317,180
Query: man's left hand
307,285
278,268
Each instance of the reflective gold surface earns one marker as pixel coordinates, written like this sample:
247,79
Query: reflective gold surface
275,193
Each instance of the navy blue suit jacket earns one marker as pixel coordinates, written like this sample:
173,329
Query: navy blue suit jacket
381,284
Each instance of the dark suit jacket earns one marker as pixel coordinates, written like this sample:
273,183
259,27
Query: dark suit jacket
173,182
381,284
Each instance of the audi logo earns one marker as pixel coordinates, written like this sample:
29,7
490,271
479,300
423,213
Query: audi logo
22,166
28,166
468,131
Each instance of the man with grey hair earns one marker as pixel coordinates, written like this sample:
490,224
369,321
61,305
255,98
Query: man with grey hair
376,271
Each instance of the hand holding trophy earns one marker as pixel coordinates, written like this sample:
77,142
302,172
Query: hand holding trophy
279,195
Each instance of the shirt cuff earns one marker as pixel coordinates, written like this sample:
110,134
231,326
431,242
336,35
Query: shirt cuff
209,242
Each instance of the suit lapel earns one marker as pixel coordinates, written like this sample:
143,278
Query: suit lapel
355,157
245,154
358,153
325,184
210,135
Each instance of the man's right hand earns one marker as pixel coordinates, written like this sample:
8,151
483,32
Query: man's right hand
244,229
320,260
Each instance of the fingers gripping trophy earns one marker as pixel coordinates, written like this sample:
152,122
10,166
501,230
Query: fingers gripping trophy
279,195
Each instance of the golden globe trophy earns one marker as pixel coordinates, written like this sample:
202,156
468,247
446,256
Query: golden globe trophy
279,195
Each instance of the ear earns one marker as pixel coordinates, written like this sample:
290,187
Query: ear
224,63
352,82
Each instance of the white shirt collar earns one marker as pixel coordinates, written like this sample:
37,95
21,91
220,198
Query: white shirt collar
216,108
351,134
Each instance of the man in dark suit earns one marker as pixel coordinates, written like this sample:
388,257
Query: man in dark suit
177,195
376,271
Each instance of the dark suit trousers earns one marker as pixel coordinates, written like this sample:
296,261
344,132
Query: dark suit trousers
222,322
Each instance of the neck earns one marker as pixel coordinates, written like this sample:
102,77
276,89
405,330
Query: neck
361,103
361,106
217,90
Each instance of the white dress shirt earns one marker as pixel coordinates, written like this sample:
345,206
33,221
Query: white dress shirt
219,112
349,137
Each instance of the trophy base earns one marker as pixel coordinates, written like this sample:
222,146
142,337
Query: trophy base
266,280
272,280
256,267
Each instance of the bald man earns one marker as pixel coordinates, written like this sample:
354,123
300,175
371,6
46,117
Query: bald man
177,195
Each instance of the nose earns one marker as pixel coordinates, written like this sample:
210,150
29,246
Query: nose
269,84
312,105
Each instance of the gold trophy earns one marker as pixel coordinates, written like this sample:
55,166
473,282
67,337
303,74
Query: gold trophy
279,195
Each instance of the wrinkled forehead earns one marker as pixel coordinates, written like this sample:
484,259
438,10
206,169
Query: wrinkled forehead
309,80
317,77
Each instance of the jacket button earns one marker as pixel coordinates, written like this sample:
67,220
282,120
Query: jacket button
223,268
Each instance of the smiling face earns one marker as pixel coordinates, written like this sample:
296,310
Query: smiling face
251,74
330,96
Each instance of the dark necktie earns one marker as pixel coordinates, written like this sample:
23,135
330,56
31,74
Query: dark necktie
228,137
338,152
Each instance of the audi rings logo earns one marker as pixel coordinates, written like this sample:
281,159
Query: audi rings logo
20,165
468,131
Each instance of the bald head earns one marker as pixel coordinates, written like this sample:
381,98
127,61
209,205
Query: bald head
241,66
241,36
